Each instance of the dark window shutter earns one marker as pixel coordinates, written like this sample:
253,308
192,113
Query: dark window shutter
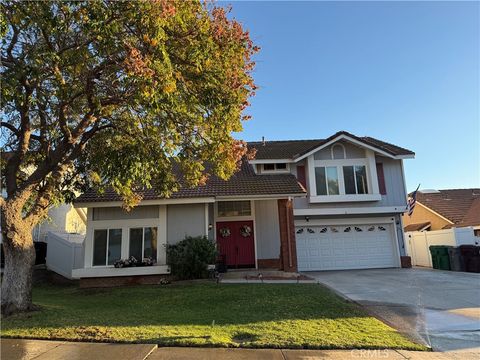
301,175
381,179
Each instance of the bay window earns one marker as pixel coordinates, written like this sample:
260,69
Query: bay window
341,180
107,246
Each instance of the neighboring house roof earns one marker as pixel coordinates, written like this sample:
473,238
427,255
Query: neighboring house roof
293,149
460,206
244,183
472,217
418,226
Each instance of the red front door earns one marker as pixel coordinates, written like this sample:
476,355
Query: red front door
236,243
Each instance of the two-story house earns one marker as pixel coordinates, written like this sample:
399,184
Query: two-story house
306,205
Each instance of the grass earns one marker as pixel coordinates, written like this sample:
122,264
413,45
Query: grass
205,314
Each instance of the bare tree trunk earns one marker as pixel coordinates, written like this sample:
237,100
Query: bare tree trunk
19,260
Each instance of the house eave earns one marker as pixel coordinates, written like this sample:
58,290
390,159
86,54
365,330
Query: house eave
98,204
260,197
350,211
354,141
270,161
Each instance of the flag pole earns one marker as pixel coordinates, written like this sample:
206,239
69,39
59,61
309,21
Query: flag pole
414,197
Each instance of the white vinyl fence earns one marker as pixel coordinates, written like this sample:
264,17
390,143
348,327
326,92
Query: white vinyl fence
64,253
418,242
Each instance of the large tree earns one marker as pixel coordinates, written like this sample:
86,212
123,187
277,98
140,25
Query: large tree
110,93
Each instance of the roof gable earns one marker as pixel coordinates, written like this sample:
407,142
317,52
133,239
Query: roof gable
296,150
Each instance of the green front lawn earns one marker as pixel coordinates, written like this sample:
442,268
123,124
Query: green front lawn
205,314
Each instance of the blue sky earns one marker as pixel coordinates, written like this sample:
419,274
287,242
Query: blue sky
404,72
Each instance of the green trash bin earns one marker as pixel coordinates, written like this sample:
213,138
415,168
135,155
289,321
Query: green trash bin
440,257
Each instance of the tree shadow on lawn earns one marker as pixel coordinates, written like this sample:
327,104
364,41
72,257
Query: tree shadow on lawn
184,305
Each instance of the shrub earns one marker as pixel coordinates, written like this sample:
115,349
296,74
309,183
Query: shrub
190,257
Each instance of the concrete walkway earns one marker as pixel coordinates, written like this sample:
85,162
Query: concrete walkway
13,349
440,308
264,276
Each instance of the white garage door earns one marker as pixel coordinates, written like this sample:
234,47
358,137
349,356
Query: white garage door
333,247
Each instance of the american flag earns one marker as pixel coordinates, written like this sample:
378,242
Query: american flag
412,199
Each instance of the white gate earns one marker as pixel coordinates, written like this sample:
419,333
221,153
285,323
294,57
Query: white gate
64,253
418,243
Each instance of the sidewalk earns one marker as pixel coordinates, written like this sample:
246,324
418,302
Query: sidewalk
16,349
277,354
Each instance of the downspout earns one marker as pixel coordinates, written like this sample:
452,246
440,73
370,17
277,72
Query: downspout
288,233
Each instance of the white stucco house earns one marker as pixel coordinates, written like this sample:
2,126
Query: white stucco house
299,205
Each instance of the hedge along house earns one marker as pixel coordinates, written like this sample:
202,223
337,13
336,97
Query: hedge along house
250,217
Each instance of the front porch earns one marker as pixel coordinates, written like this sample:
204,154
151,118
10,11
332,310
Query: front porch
249,233
256,234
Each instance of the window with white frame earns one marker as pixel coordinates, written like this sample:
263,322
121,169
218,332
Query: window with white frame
326,178
234,208
338,151
143,242
355,179
338,179
275,167
107,246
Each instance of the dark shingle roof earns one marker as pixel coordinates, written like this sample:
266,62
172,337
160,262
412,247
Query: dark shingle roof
292,149
287,149
244,183
460,206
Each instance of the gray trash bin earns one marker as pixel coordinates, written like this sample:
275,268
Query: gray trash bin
457,262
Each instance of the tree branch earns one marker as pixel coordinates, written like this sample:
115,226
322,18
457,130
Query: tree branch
24,134
10,127
14,130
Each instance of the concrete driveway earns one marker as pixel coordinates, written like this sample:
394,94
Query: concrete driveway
440,308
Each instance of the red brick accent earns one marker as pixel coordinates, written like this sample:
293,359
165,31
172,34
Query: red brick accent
269,264
288,248
406,261
113,281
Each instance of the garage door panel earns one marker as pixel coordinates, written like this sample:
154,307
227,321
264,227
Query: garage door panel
345,247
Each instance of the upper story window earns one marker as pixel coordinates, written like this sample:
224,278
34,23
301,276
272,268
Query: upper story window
340,179
234,208
355,179
336,180
338,151
275,167
326,179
